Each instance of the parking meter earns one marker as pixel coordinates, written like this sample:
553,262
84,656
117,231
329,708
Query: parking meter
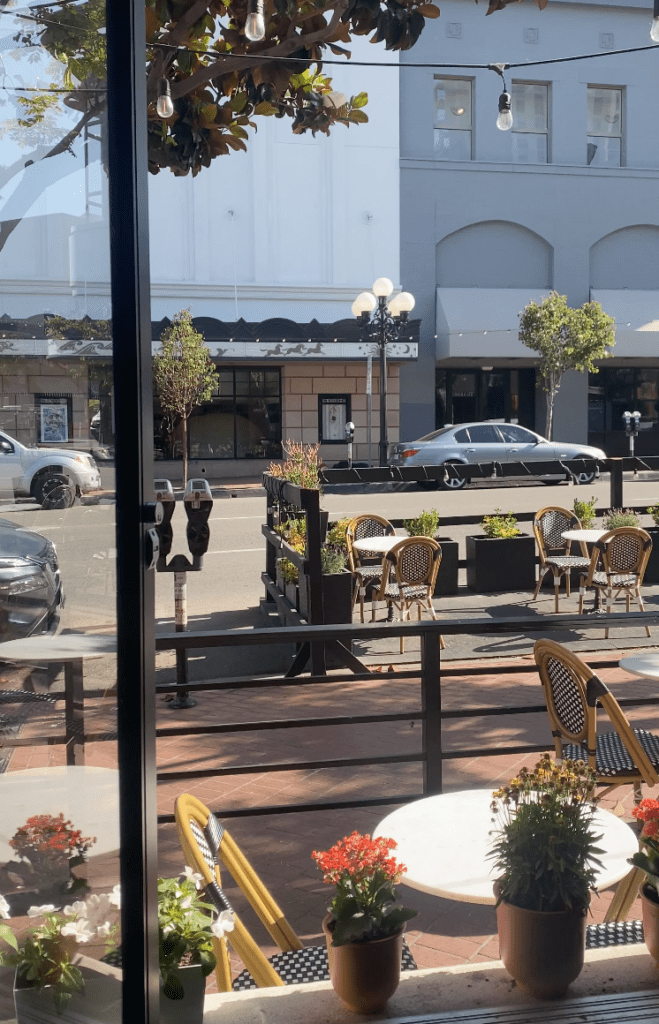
632,426
350,433
198,502
165,495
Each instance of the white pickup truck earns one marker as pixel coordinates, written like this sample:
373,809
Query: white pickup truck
54,476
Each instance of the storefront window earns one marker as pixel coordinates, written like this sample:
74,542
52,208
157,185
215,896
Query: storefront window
241,421
466,396
613,391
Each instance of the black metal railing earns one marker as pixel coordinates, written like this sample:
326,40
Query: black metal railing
432,754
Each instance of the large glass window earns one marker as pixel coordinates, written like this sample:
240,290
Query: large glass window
241,421
613,391
453,118
605,127
530,134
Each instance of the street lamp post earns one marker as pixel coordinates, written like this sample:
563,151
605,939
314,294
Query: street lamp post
382,323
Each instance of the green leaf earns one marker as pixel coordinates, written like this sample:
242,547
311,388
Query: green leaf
7,934
360,100
266,109
358,117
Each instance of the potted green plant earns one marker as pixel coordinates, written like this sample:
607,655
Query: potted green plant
289,576
364,925
545,852
585,512
300,467
503,558
652,568
53,980
617,517
648,861
427,525
337,585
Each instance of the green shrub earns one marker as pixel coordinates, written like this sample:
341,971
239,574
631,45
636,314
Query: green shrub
500,525
585,512
617,517
332,561
336,535
424,525
288,570
653,511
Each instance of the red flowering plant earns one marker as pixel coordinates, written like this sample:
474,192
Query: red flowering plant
364,874
49,846
648,812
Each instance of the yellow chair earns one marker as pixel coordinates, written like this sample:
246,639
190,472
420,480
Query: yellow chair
205,844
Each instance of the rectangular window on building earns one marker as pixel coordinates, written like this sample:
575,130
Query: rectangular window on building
241,421
333,414
54,422
453,118
530,109
605,127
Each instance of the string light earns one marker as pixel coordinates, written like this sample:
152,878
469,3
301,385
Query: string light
255,24
164,106
654,28
505,118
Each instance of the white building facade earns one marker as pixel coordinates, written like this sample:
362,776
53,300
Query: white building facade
566,200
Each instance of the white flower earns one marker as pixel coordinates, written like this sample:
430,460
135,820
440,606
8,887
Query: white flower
78,908
168,928
46,908
4,908
98,909
115,896
186,903
222,924
104,930
193,876
80,930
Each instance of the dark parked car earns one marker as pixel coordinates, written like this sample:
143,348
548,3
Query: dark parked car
30,586
471,443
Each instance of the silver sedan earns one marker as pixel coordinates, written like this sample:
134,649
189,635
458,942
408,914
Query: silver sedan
471,443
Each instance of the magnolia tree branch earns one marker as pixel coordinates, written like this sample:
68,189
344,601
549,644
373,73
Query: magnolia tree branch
219,68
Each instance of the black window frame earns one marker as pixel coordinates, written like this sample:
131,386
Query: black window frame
338,400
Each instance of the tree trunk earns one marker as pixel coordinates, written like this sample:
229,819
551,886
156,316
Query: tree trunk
184,432
549,420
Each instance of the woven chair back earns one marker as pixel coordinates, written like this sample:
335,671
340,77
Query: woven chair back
625,551
564,678
199,831
549,526
362,527
416,561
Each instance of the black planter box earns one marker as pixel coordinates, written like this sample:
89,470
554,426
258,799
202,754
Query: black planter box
447,576
651,577
500,563
337,597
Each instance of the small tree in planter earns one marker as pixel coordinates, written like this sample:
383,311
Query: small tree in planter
503,558
585,512
184,374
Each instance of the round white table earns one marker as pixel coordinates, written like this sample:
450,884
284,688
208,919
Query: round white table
642,664
444,841
584,536
88,797
376,545
71,649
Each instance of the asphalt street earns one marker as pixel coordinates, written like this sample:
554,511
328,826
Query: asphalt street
226,593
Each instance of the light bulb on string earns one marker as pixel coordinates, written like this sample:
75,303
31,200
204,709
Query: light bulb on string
255,24
505,118
654,28
164,106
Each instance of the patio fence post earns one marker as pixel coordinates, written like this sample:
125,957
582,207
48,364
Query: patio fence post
311,506
431,708
615,470
270,552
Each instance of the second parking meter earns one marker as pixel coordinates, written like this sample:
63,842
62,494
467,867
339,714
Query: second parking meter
632,427
165,495
198,502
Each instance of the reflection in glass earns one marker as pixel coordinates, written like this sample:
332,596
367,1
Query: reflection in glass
528,148
529,107
453,119
58,765
452,145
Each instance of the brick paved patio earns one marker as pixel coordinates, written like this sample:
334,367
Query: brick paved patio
445,932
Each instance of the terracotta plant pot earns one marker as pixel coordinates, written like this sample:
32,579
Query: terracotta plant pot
364,975
543,950
650,914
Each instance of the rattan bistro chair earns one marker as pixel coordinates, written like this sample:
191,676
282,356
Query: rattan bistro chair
205,843
414,563
624,555
366,567
549,526
625,756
